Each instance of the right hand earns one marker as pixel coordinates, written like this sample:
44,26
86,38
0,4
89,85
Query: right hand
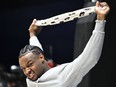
33,29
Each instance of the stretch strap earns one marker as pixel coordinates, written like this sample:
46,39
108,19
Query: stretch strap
69,16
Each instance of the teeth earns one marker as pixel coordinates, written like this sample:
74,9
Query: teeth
104,8
31,75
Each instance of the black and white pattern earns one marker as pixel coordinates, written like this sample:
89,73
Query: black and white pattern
69,16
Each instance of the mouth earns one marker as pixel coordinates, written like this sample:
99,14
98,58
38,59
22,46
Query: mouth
31,76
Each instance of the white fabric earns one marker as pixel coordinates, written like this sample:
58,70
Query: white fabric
69,16
70,74
34,41
93,0
66,16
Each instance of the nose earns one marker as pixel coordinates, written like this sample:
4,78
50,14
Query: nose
27,71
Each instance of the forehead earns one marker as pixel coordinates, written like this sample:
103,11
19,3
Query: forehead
28,57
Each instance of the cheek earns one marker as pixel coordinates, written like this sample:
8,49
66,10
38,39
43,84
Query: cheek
36,66
38,69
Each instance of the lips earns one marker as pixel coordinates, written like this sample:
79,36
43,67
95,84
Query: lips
31,76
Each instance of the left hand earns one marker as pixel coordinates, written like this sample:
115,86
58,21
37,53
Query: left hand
101,9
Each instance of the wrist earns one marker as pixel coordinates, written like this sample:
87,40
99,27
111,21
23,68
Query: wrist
100,17
32,34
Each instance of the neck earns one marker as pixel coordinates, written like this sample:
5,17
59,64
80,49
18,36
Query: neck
47,67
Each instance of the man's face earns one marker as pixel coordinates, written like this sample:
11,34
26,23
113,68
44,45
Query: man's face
32,66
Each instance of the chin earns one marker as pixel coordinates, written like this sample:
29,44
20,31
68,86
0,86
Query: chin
33,79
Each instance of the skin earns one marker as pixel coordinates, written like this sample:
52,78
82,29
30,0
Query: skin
101,13
34,66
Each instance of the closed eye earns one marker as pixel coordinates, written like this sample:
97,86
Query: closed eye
30,64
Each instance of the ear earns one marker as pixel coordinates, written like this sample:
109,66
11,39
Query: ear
41,57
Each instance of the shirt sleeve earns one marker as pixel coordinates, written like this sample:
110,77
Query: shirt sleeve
76,70
34,41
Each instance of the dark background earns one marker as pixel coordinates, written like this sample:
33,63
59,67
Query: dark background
17,15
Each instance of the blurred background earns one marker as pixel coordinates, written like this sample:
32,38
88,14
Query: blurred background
60,42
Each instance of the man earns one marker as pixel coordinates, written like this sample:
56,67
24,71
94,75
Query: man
34,64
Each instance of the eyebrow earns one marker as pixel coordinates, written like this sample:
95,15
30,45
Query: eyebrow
26,64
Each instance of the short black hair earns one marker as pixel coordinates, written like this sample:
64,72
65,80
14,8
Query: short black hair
30,48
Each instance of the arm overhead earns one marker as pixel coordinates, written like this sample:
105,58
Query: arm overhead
76,70
33,31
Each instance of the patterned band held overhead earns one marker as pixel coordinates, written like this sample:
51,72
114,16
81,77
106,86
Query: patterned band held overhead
69,16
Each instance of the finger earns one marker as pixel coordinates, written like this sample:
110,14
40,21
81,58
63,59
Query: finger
97,3
34,21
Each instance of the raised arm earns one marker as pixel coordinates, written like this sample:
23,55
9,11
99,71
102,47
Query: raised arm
76,70
33,31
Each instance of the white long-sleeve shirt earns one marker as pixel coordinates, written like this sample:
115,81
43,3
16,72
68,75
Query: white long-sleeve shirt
70,74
